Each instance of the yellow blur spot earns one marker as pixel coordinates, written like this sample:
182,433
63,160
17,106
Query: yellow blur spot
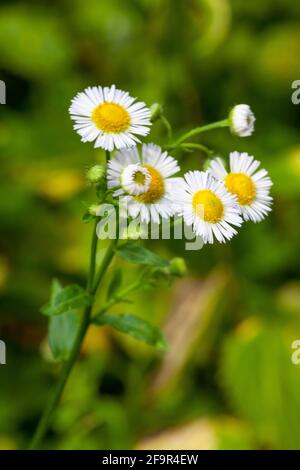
95,340
61,184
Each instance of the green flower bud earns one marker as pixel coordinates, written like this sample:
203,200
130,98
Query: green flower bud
177,267
93,210
96,174
206,164
156,111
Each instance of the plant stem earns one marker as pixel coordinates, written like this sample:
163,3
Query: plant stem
199,130
54,399
68,365
193,146
189,147
120,296
91,275
105,263
167,125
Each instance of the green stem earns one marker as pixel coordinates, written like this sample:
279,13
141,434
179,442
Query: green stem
193,146
105,263
200,130
91,275
68,365
167,125
120,296
190,146
54,399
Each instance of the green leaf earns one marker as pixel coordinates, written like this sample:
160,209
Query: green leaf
56,288
62,334
136,327
87,217
114,284
134,253
64,299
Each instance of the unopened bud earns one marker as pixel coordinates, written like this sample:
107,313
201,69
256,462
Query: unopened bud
206,164
93,210
241,120
156,111
177,267
95,174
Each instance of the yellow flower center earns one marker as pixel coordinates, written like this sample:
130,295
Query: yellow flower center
208,206
139,178
156,189
242,186
111,117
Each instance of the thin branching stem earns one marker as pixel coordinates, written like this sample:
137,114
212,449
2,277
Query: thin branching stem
85,322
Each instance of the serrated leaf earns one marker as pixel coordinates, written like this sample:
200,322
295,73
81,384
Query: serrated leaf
64,299
134,253
62,334
136,327
115,283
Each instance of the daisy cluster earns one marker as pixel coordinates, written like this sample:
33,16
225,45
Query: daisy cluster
214,202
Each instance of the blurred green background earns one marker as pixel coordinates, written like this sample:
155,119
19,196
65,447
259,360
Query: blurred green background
228,381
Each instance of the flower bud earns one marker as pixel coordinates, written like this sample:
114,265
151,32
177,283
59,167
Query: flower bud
95,174
156,111
206,164
177,267
93,210
241,120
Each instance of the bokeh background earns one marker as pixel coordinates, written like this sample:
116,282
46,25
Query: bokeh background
228,381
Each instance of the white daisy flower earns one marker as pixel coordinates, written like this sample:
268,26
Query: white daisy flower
110,117
144,181
251,187
206,204
242,120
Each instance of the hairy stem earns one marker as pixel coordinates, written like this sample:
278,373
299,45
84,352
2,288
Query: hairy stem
68,365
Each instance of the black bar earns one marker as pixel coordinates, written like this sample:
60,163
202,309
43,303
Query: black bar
135,458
